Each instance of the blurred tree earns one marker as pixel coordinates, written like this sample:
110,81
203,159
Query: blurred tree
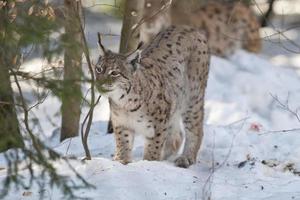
9,56
9,53
247,2
186,6
132,15
129,35
268,14
71,96
10,136
26,26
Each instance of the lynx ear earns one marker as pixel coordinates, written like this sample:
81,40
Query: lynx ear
102,49
134,58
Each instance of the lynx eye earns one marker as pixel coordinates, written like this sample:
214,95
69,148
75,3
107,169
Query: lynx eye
114,73
99,70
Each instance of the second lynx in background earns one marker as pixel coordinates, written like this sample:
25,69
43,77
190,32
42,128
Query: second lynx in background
228,26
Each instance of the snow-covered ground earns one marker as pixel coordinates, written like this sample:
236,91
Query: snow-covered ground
248,152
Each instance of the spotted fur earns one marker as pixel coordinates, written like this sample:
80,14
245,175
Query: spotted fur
153,91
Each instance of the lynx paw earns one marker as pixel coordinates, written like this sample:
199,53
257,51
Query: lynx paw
123,161
184,161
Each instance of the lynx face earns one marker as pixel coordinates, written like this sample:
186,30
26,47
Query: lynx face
114,70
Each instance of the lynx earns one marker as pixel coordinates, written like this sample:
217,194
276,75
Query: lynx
154,89
228,26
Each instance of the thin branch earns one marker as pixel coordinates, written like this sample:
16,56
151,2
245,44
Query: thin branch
135,27
9,103
35,143
214,169
89,117
286,107
280,33
280,131
210,177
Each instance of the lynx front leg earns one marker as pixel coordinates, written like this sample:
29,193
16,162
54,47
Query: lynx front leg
153,146
124,141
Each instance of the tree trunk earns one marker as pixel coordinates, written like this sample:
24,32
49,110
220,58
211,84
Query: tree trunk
132,15
186,6
71,98
266,17
129,39
10,136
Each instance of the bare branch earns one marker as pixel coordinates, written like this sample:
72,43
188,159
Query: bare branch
135,27
280,33
89,117
280,131
9,103
286,107
214,169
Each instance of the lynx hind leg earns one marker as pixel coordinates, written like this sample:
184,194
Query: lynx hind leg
124,142
172,144
193,127
192,116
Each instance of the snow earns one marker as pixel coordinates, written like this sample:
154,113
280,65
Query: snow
244,155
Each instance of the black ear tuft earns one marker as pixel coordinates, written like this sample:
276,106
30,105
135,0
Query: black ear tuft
134,62
134,58
141,43
103,51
